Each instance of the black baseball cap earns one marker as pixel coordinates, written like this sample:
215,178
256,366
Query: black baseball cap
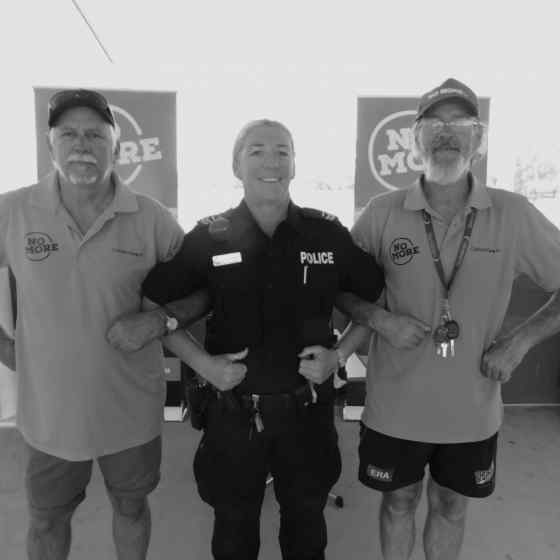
68,98
450,89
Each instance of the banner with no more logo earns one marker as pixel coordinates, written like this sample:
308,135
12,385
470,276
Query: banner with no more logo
384,161
147,121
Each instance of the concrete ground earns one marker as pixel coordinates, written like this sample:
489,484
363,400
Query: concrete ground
521,521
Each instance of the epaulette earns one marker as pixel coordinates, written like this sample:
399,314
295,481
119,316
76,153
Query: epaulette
210,219
319,214
218,225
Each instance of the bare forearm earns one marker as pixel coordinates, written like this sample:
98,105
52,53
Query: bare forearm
223,371
352,338
190,309
371,315
7,350
360,311
400,330
183,345
541,325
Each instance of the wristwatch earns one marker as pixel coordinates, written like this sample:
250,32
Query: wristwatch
171,323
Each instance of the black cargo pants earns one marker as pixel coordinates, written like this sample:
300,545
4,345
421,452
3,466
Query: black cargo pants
298,447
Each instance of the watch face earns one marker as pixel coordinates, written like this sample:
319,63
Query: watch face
171,323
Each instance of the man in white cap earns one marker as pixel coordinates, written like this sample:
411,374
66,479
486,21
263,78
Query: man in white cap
438,357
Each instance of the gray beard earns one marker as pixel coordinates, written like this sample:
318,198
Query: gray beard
446,174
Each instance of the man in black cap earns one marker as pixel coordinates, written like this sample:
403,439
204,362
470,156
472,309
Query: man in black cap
79,244
438,356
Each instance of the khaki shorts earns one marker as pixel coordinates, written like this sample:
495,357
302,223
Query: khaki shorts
56,486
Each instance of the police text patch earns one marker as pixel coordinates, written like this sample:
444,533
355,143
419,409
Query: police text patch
318,257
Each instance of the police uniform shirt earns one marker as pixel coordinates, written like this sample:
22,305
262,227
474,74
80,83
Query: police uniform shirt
272,295
78,397
413,393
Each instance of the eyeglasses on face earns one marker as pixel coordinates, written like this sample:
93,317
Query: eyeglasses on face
461,124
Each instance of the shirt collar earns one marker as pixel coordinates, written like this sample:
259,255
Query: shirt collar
46,194
478,198
293,217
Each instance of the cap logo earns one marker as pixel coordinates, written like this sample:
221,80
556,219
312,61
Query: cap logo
390,160
446,91
136,149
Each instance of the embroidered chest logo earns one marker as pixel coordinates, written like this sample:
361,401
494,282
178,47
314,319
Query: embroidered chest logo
491,250
403,250
38,246
319,257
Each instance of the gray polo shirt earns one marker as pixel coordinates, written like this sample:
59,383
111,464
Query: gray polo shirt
79,398
415,394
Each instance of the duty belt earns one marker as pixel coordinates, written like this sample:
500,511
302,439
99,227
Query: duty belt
268,405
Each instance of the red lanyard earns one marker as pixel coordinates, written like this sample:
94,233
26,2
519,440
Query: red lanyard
460,253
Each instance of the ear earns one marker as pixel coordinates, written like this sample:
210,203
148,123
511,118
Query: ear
480,142
116,151
415,141
49,143
235,167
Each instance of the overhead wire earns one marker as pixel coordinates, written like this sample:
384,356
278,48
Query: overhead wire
96,37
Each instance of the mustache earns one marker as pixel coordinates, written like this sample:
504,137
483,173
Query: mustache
445,142
81,158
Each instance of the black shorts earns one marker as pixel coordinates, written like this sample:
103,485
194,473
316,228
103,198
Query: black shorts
388,463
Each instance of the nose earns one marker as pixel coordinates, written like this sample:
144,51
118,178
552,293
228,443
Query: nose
271,160
81,143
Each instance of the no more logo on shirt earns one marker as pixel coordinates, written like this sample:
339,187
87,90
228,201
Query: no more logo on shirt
403,250
38,246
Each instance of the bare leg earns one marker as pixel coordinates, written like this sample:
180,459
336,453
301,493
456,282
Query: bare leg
445,525
49,538
396,521
131,527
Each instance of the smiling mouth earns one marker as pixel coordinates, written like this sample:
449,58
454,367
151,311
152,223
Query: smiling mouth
270,179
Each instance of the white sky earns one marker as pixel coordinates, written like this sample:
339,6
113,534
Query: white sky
302,62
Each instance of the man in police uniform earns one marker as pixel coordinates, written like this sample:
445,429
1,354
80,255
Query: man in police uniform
438,356
273,271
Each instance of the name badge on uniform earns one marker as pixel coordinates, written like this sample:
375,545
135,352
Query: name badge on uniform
226,258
